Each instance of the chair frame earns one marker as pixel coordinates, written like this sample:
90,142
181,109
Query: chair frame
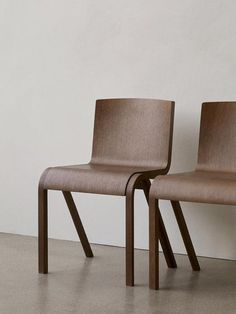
154,237
137,181
212,120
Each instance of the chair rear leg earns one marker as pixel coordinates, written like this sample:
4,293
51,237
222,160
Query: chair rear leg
164,240
78,224
42,231
185,235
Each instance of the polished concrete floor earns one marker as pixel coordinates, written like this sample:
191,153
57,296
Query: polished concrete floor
79,285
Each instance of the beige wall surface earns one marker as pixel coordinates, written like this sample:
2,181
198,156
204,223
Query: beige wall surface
58,56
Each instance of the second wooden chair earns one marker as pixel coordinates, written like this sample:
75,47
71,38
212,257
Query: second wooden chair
213,181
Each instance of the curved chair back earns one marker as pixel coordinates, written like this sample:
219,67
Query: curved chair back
217,143
133,132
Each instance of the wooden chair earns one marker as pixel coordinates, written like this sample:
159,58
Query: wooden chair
132,144
213,181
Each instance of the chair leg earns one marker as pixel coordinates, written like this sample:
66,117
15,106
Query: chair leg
185,235
130,239
154,232
78,223
164,240
42,231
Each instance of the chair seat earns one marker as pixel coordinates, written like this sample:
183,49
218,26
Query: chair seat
199,186
90,178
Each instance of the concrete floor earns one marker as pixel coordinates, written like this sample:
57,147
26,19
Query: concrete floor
79,285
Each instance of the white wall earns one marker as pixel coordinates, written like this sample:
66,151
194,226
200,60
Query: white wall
58,56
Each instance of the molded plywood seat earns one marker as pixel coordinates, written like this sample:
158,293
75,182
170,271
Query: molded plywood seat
213,181
92,178
213,187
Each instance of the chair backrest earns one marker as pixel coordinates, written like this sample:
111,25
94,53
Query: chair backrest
133,132
217,143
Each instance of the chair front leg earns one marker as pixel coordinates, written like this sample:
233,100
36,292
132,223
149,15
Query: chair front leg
130,239
42,231
129,225
154,231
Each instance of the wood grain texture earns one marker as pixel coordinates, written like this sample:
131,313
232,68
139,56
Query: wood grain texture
164,239
130,136
132,142
154,229
213,180
78,224
43,231
185,235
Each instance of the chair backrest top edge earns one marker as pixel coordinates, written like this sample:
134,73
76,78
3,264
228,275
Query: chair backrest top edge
218,102
134,99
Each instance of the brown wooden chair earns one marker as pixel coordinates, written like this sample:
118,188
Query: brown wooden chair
213,181
132,144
